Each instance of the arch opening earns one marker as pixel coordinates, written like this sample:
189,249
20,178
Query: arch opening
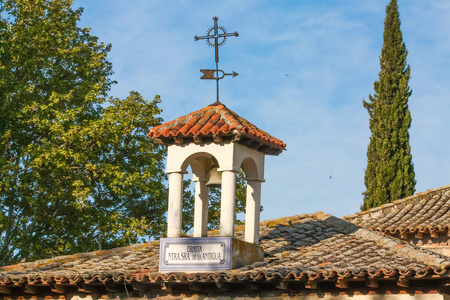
196,193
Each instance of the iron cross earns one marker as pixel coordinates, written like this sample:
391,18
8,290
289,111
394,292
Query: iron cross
216,37
219,38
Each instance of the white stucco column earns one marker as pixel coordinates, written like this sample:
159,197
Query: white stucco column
252,211
200,207
174,221
228,203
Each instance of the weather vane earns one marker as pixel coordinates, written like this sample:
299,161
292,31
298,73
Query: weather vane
216,37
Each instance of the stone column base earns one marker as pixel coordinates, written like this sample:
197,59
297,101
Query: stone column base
245,253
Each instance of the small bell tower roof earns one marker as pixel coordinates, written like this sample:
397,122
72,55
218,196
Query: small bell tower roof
216,124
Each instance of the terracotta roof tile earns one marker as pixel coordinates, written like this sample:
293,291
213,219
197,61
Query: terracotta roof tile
216,120
303,247
423,212
332,247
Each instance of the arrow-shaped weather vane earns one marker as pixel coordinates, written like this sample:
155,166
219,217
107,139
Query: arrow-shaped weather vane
216,37
214,74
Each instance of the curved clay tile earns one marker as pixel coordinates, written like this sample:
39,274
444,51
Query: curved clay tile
422,212
214,120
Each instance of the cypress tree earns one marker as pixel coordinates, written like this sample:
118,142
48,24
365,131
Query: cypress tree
390,172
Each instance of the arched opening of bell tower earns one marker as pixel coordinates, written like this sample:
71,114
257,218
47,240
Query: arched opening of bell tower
213,167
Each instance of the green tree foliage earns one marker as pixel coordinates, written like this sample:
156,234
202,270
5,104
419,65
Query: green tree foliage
76,170
214,200
390,172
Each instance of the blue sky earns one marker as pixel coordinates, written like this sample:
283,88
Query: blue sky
304,68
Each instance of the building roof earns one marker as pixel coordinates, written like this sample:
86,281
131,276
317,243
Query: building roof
309,251
216,123
428,211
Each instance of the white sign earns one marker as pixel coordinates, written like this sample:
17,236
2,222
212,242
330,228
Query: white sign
209,253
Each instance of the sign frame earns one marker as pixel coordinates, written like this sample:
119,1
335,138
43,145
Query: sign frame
221,242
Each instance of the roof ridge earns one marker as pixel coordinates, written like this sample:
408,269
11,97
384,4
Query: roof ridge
416,197
246,124
285,220
272,222
398,246
233,122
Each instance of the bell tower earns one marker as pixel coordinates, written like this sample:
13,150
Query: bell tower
216,143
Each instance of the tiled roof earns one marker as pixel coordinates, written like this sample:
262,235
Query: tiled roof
310,250
216,123
423,212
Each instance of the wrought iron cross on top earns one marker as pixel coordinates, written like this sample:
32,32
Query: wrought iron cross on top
216,37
